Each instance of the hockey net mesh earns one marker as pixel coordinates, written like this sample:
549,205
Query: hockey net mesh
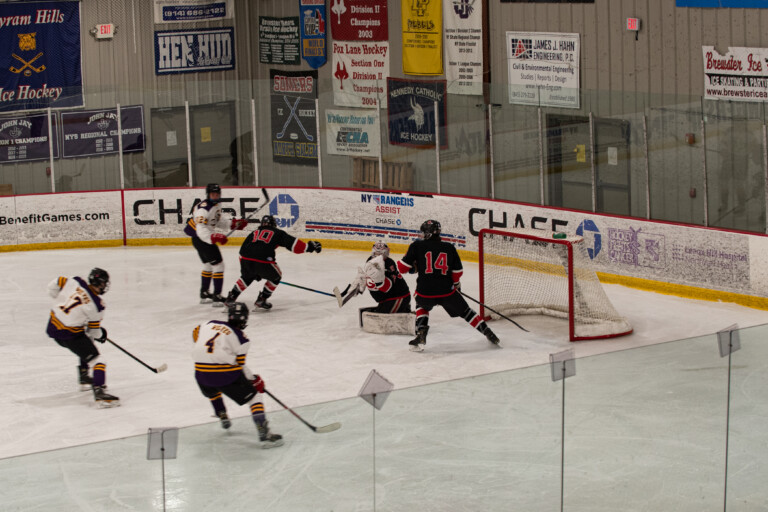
525,271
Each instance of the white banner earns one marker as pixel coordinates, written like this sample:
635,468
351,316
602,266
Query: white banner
353,132
739,75
463,29
174,11
360,71
543,69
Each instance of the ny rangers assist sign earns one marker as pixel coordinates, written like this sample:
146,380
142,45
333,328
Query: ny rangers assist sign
192,51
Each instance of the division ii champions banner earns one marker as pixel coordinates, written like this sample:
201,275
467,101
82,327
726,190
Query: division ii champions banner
422,30
40,64
360,73
739,75
359,20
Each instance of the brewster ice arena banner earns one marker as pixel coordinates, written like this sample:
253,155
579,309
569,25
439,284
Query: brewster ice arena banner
41,57
739,75
411,112
94,132
171,11
353,132
359,20
23,139
279,40
294,125
192,51
422,29
361,71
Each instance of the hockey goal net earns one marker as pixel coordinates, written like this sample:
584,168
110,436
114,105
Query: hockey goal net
529,271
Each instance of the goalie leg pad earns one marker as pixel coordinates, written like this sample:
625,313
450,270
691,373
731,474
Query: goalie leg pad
388,323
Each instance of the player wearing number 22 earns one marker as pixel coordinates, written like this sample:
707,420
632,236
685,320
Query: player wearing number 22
439,267
219,354
75,323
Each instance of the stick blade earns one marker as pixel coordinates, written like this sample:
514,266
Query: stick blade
328,428
161,368
337,294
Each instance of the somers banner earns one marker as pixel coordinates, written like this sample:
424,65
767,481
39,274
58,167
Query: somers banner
360,74
666,253
41,60
193,51
279,40
23,139
172,11
94,132
463,26
294,123
359,20
739,75
353,132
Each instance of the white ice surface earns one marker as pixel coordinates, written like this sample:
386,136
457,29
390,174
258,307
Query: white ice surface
306,348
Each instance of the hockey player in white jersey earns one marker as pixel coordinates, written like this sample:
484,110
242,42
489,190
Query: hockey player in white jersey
219,353
75,323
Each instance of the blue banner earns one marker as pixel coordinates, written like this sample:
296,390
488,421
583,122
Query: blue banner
755,4
313,23
192,51
23,139
94,132
411,112
40,63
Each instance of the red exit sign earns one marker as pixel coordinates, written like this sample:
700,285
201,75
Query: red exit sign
633,24
105,31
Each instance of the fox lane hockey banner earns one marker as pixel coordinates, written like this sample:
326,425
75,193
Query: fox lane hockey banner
359,20
360,74
352,132
172,11
279,40
463,25
193,51
313,23
422,29
23,139
411,112
294,124
40,60
94,132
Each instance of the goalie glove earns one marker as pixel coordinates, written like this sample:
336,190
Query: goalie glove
258,384
359,282
374,269
238,224
218,238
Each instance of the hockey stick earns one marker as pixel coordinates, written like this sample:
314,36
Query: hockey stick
308,289
159,369
254,212
494,311
318,430
342,297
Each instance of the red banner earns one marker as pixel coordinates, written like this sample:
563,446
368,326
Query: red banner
359,20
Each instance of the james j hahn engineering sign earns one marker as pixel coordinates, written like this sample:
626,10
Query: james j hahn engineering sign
192,51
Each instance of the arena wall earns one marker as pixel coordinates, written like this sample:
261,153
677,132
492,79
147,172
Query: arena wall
696,262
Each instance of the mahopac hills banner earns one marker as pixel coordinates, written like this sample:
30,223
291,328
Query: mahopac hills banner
40,61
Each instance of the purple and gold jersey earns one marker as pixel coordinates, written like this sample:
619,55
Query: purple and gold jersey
219,354
77,309
206,216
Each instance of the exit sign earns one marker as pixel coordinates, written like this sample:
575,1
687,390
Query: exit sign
105,31
633,24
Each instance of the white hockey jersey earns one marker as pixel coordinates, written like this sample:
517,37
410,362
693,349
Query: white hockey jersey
77,309
219,354
204,220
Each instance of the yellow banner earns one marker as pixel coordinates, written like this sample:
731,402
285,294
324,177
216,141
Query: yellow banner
422,28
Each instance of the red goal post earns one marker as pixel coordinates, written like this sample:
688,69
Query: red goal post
530,271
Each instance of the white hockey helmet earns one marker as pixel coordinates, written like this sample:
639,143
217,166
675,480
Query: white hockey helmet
381,249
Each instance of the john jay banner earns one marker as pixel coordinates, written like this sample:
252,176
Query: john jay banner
411,112
94,132
40,56
192,51
23,139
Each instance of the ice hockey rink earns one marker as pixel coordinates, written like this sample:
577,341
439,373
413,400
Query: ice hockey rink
313,356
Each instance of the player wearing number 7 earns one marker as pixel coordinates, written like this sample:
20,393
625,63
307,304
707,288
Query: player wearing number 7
439,267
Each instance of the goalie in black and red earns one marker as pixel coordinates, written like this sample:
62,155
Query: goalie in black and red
439,267
257,259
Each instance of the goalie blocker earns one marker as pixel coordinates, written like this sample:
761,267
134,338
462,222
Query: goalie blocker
387,323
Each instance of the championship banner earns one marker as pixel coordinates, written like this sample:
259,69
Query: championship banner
172,11
543,69
422,29
739,75
294,125
353,132
313,23
94,132
359,20
23,139
463,26
40,66
279,40
361,71
411,112
192,51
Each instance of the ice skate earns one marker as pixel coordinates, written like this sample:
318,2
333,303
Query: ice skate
206,297
225,421
491,336
261,303
417,343
85,381
218,300
266,438
103,399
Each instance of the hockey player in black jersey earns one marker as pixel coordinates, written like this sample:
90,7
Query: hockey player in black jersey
439,268
257,259
386,284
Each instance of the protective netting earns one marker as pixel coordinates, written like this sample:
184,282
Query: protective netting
526,271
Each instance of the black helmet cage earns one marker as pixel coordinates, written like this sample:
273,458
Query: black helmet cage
268,221
429,228
99,280
237,316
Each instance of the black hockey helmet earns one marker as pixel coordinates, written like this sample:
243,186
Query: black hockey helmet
237,316
213,188
99,280
268,221
381,249
429,228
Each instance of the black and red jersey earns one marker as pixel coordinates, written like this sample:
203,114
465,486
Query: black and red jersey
260,245
393,287
437,263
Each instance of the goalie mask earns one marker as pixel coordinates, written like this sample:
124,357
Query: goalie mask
238,315
268,221
430,228
381,249
99,281
213,188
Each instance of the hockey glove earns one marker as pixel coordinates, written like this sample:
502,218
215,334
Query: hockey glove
457,286
258,384
238,224
103,337
218,238
313,246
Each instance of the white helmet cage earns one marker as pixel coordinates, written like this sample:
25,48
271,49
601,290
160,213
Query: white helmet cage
381,249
